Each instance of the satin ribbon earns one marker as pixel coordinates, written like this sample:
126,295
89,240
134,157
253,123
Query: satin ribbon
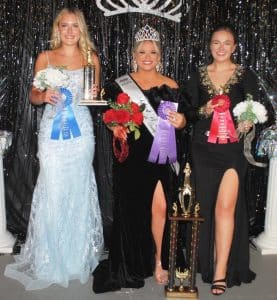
164,143
248,138
222,126
64,121
120,149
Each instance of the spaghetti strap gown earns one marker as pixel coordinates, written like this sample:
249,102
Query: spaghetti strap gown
64,238
209,163
132,251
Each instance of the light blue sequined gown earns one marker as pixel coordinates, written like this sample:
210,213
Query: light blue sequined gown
64,237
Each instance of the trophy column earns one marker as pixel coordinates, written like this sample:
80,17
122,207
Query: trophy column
89,82
185,214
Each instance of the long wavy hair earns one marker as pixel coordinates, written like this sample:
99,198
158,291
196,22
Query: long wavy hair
84,42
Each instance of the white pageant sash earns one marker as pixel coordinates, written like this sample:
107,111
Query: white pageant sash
150,118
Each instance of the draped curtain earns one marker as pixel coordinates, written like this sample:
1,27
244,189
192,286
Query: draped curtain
25,31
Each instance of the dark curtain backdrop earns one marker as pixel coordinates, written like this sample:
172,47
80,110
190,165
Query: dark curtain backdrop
25,31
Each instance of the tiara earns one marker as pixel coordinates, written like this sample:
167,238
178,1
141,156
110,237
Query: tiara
166,9
147,33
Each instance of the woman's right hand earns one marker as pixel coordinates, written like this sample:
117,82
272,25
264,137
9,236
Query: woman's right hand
120,132
209,107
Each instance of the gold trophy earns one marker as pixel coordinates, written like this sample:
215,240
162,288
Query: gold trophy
89,84
186,193
182,284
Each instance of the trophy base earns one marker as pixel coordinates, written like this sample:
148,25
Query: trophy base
185,293
92,102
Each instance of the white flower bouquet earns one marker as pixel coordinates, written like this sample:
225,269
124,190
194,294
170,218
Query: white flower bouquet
250,110
51,77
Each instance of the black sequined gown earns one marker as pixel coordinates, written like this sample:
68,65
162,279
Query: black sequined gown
131,255
209,163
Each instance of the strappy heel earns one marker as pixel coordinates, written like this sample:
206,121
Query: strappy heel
220,287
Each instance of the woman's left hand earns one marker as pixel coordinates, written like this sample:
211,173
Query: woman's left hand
245,126
176,119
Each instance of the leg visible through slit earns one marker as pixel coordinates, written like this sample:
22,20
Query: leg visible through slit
224,224
158,223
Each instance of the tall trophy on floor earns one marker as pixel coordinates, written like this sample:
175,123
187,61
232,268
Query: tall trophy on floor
89,84
182,283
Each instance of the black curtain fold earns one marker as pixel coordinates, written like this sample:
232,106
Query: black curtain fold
25,31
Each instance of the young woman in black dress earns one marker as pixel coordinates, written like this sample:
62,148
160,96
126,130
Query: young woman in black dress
219,164
142,189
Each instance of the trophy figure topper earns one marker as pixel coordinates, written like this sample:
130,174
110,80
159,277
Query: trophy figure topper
89,84
186,193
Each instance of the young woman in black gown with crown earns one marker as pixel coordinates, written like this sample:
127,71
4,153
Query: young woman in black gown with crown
142,189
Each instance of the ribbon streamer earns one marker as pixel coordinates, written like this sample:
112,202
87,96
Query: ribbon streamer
120,149
248,138
164,143
64,121
222,126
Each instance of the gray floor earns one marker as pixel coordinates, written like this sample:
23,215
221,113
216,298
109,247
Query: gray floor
263,288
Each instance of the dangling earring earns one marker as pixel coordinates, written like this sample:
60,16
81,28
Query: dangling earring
159,67
135,66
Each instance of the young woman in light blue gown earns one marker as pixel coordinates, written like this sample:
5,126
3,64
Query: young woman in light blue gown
64,238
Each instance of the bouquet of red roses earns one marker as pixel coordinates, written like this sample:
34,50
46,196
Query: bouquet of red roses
128,115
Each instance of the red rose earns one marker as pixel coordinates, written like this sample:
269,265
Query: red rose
122,116
122,98
135,107
137,118
109,116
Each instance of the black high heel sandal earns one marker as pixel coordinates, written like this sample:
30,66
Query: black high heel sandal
220,287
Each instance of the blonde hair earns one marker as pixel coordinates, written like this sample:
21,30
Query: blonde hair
84,42
136,48
156,44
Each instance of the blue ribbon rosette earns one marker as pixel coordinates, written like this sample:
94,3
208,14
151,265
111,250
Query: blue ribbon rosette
164,144
64,122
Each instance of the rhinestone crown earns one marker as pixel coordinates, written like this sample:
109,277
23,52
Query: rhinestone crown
147,33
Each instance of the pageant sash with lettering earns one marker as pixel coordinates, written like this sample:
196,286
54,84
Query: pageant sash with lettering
64,122
150,118
222,126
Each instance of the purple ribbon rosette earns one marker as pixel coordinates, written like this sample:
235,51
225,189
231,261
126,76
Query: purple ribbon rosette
164,144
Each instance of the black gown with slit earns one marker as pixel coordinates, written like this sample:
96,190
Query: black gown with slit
209,163
132,250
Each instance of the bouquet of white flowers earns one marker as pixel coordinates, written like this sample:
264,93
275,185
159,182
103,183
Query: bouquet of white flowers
250,110
51,77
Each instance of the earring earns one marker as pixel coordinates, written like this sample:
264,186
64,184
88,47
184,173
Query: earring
159,67
135,66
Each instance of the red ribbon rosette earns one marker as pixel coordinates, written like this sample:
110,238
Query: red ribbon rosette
222,126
